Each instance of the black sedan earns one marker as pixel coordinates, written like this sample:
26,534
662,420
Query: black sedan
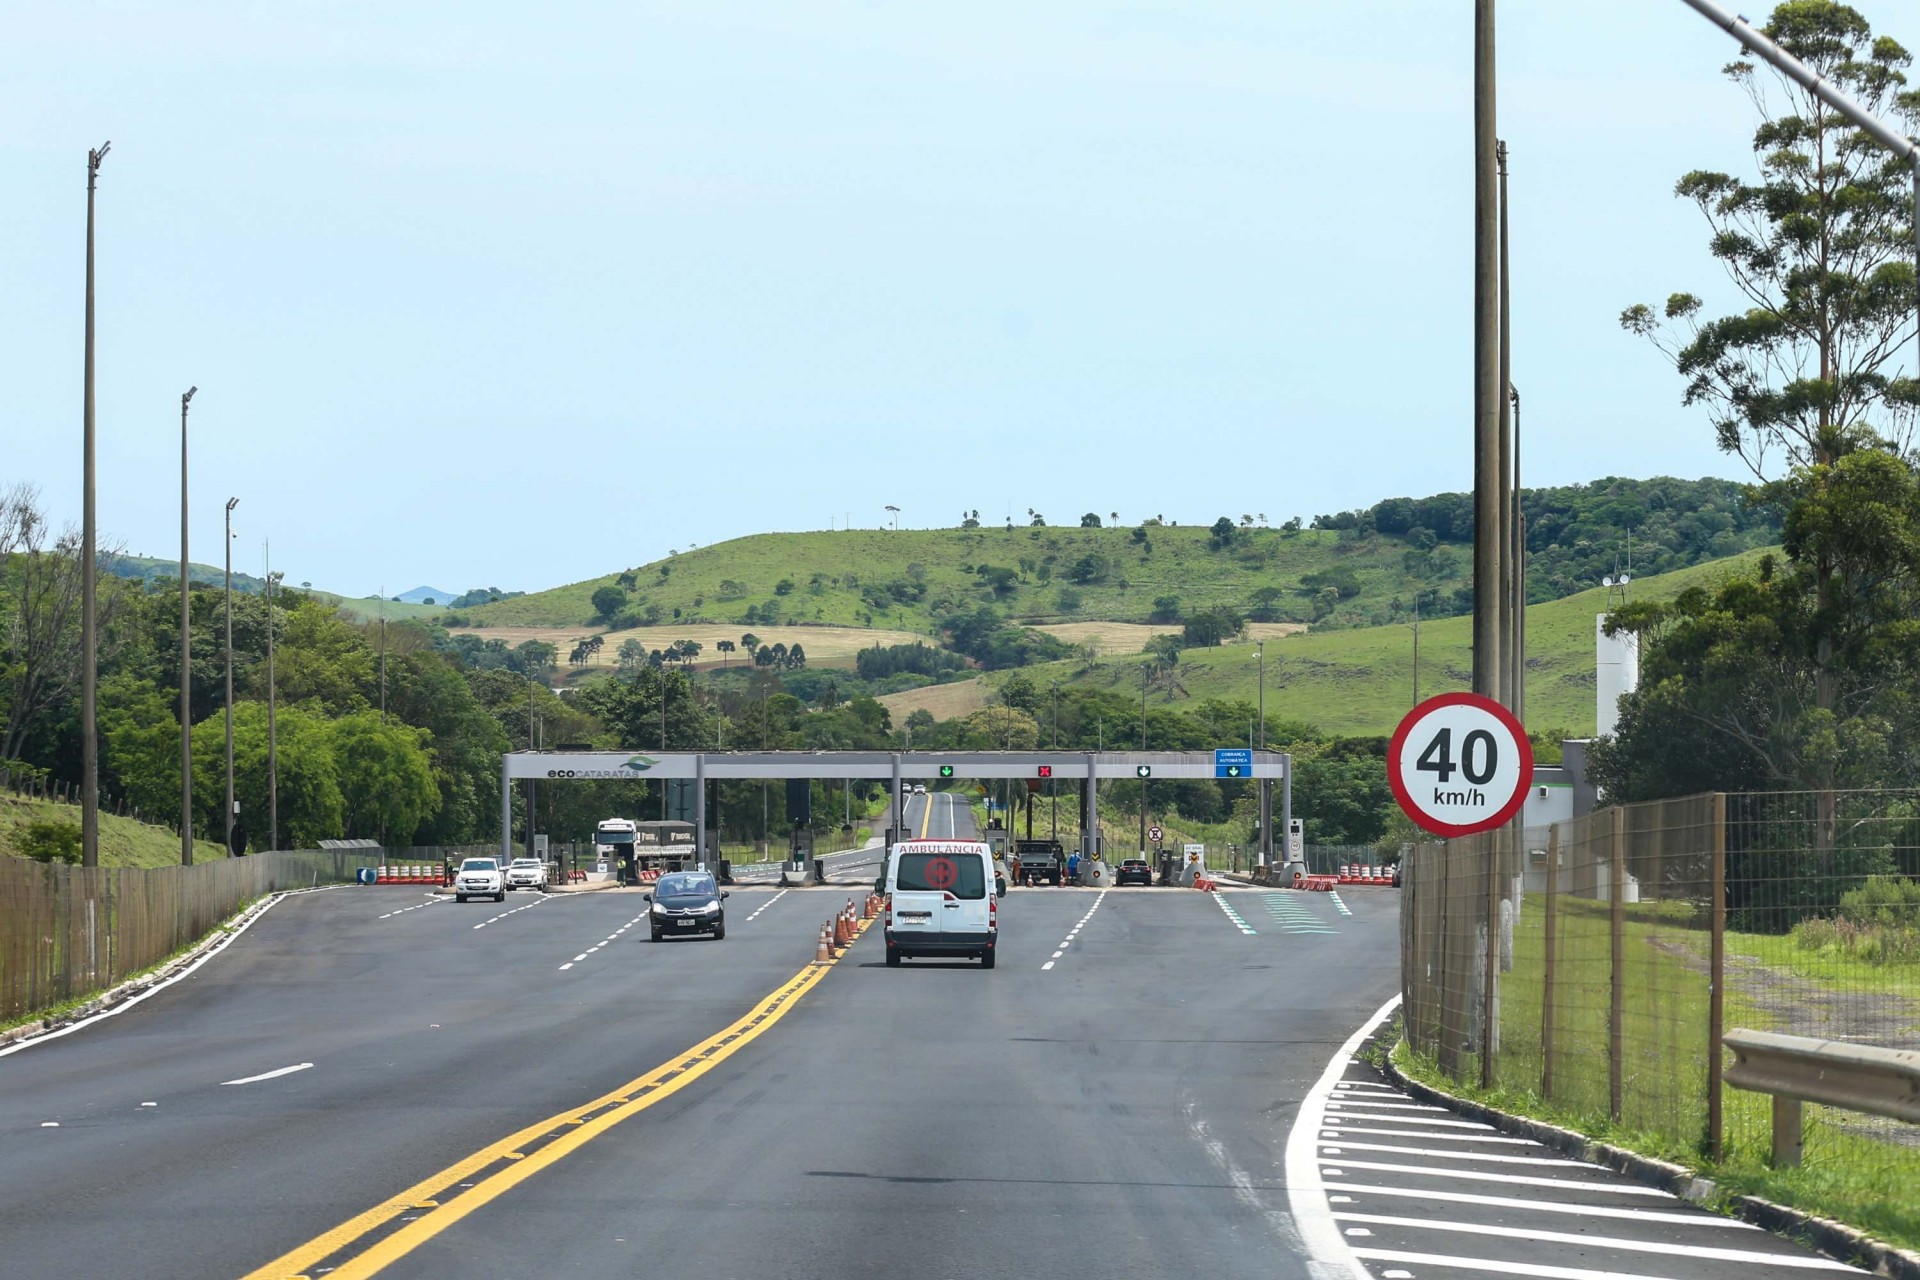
685,904
1134,871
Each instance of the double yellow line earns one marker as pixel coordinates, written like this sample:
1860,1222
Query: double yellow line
365,1244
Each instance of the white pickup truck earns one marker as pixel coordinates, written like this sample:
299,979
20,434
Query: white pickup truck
480,878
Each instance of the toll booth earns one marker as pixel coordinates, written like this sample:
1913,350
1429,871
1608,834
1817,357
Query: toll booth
801,867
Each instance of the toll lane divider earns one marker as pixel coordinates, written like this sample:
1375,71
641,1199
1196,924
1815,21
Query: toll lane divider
368,1242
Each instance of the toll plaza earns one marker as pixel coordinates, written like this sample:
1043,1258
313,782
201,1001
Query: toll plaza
1271,769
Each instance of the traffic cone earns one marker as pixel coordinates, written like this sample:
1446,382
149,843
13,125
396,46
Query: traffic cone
823,953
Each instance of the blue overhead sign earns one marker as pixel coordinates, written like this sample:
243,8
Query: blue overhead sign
1233,762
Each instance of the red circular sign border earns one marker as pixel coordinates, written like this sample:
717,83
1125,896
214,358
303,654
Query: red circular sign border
952,878
1498,712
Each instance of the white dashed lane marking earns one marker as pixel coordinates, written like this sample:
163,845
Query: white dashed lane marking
1233,915
606,941
763,906
417,906
1075,931
516,911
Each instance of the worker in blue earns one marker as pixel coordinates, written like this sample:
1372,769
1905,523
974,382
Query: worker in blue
1073,867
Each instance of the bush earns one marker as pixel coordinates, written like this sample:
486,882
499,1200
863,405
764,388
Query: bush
50,840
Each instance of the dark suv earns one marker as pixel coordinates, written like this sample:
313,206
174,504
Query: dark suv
1134,871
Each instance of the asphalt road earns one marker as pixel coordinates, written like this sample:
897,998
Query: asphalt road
556,1095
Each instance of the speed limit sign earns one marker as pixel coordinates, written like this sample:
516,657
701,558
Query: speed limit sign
1460,763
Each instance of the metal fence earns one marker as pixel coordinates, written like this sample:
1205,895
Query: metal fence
1625,943
68,932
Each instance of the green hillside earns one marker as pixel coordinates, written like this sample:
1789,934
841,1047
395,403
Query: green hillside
1354,569
149,569
910,579
123,841
1360,681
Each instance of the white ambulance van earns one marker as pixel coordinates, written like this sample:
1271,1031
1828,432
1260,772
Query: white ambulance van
941,901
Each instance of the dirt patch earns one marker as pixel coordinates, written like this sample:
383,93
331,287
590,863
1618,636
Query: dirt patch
942,701
1121,638
825,646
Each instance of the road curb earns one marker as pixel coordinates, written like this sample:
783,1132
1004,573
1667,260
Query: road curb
1836,1240
115,996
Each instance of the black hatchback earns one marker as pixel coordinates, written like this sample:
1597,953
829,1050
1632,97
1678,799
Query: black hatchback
687,903
1134,871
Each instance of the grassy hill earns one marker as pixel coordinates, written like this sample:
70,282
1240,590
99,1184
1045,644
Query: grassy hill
150,569
1361,681
909,580
123,842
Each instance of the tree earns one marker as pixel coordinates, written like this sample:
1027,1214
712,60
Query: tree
385,775
42,649
608,601
725,648
1165,609
1222,532
632,655
750,642
1818,247
1091,520
1210,627
796,657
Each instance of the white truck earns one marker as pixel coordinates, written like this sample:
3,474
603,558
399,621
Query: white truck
480,878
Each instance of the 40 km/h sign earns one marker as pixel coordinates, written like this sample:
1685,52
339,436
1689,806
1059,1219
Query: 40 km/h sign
1460,763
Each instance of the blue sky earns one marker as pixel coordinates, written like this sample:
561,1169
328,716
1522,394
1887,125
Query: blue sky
508,294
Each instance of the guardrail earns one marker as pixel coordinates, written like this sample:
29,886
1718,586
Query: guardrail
1800,1069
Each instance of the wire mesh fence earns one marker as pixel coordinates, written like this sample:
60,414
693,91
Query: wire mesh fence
1624,944
67,932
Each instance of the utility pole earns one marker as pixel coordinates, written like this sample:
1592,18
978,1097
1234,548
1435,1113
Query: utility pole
1510,672
89,571
186,656
273,739
1489,484
1518,554
231,504
1145,670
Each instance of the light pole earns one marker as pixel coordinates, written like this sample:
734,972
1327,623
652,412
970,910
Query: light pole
89,631
273,740
231,504
1146,669
186,656
896,516
1266,784
1518,556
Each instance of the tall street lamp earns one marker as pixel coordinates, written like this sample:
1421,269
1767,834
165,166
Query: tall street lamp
186,655
273,741
231,504
89,631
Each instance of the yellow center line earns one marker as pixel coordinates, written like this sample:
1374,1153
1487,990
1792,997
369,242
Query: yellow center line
926,818
573,1133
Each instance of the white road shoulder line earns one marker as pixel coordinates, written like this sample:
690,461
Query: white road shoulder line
1585,1241
1505,1179
1501,1268
1694,1219
270,1075
1306,1191
1340,1146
